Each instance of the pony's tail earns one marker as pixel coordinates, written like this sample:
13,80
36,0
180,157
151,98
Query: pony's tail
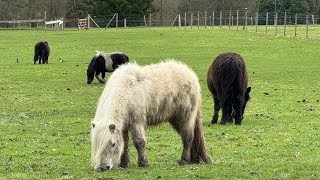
228,81
198,152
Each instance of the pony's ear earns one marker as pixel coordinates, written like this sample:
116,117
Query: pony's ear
248,90
112,127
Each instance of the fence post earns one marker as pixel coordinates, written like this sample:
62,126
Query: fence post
295,24
205,19
307,24
185,21
257,16
29,23
45,18
125,23
246,21
312,19
212,19
198,19
276,23
285,23
220,19
145,21
191,20
229,19
150,20
267,21
88,21
237,19
117,16
179,22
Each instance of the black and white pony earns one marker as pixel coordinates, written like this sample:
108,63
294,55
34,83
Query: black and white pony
41,52
104,62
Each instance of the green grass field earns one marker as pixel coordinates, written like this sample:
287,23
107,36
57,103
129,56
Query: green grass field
46,110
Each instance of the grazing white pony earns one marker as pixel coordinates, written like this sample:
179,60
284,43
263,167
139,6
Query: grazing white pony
135,97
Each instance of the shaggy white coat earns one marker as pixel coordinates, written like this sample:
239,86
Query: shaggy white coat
136,96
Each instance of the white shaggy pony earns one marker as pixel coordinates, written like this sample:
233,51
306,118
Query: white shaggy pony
135,97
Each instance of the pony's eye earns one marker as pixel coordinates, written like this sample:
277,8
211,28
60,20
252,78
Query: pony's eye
113,144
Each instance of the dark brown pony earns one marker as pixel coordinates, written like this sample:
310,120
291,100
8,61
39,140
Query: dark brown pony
41,52
227,80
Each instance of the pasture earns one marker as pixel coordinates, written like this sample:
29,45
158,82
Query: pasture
46,109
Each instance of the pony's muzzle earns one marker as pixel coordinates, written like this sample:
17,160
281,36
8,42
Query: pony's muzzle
104,167
89,82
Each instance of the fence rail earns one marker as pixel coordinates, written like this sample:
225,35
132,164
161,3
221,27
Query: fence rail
281,23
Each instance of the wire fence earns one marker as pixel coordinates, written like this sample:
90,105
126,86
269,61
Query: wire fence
282,23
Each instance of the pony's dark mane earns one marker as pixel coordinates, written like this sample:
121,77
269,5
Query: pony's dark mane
227,80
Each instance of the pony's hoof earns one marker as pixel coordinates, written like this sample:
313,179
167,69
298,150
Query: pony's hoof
214,122
182,162
143,164
122,165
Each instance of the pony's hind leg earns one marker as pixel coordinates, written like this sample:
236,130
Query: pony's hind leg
97,76
226,112
186,137
238,112
124,157
217,108
139,141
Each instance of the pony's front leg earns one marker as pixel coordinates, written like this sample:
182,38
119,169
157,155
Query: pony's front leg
124,156
97,76
103,75
139,141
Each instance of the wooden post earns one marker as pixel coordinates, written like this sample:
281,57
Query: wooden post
307,24
145,21
125,23
312,19
88,21
212,19
198,19
205,19
237,19
45,17
185,21
150,20
267,21
230,19
295,24
191,20
276,23
220,19
285,23
30,23
179,22
117,16
246,21
14,23
256,21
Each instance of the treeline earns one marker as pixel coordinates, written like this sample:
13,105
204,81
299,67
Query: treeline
162,9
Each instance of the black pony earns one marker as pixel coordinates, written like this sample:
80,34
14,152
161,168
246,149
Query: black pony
102,63
227,81
41,52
